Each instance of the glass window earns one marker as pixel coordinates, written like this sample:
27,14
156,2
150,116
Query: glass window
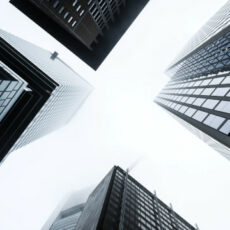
214,121
216,81
224,106
191,84
205,82
197,83
210,104
190,112
226,80
191,100
177,107
179,98
184,91
207,91
198,91
183,109
191,91
3,85
184,99
176,98
199,101
220,91
226,128
11,85
200,115
4,95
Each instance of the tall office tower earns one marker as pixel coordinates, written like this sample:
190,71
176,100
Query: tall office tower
120,202
89,28
68,218
38,92
198,92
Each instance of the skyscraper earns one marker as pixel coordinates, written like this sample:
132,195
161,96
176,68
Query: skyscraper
38,92
68,218
198,92
119,202
89,28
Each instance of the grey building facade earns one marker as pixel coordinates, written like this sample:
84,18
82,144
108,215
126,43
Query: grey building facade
120,202
68,218
198,93
89,28
39,93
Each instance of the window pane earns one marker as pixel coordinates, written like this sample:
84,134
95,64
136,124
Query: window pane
210,104
183,109
214,121
220,92
200,115
191,100
224,106
216,81
198,91
226,128
190,112
199,101
208,91
226,80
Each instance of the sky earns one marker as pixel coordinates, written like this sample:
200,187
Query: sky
118,124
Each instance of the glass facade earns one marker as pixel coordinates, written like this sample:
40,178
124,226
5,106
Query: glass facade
214,25
89,28
212,58
49,93
199,89
83,19
120,202
11,88
131,206
67,219
103,11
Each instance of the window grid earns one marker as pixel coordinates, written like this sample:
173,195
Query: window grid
207,102
142,209
85,19
11,87
214,57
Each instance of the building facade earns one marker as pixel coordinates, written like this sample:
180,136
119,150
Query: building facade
89,28
120,202
198,93
68,218
39,93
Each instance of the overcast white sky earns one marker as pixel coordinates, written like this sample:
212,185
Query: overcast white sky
118,124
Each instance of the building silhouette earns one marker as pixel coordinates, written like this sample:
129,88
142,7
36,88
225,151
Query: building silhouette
119,202
38,92
89,28
198,92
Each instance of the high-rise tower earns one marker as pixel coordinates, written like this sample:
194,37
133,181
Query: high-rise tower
89,28
119,202
38,92
198,93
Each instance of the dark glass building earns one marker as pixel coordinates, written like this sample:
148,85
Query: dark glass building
38,92
198,93
120,202
89,28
